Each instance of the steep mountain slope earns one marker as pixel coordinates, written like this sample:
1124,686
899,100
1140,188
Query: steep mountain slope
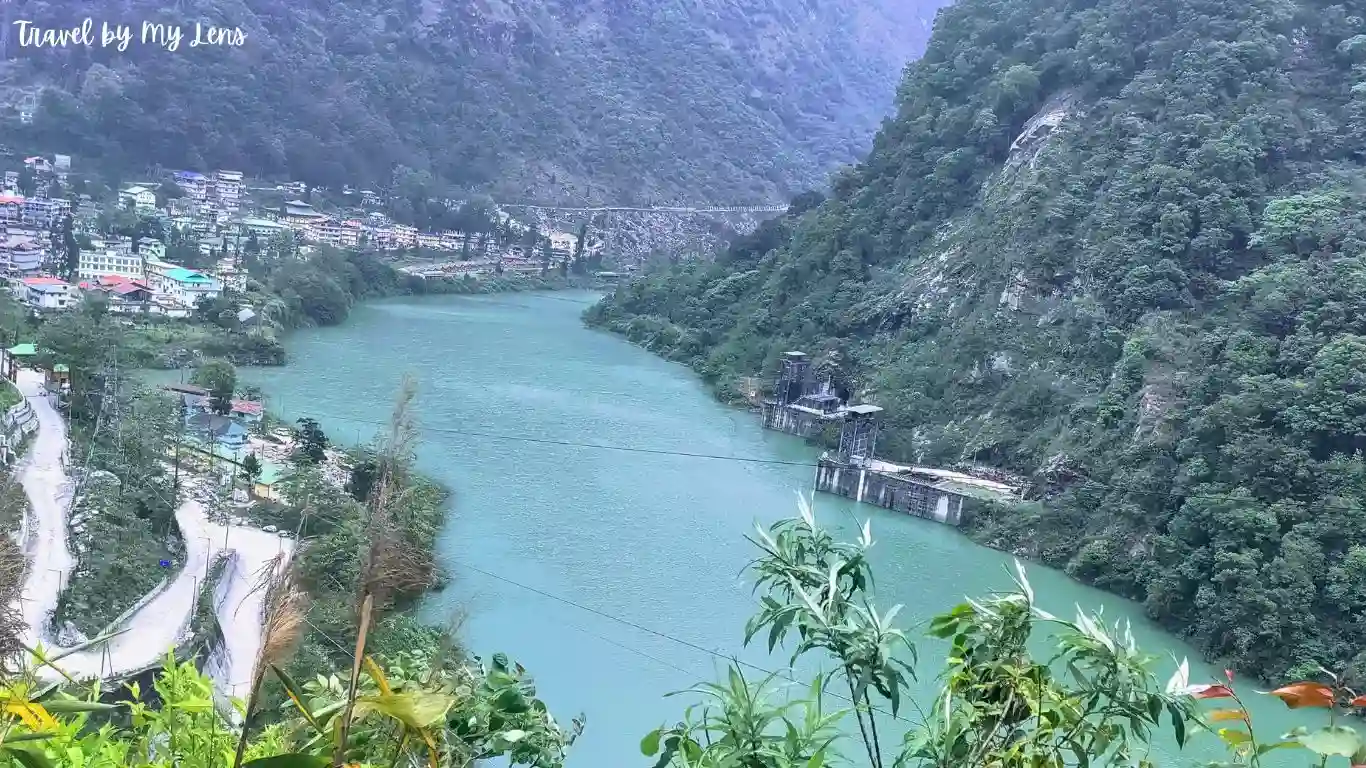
1118,247
565,100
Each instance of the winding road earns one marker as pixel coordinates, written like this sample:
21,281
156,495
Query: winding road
162,620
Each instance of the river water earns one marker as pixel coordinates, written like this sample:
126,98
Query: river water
593,536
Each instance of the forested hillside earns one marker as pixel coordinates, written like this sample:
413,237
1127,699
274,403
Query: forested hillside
1118,247
560,100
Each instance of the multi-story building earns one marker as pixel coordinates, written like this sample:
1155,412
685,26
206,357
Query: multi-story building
382,238
325,230
180,285
43,212
228,189
142,199
350,234
21,254
264,229
110,261
300,215
11,209
151,248
196,185
45,292
405,236
124,295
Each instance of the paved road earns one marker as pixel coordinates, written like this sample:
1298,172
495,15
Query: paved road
49,491
163,620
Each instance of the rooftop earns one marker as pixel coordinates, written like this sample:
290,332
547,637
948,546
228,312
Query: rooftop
249,407
123,289
188,389
23,350
183,275
272,473
136,190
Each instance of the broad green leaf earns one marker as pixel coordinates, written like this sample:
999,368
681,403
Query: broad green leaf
1234,736
15,738
377,675
1264,748
296,695
817,760
649,746
1178,724
511,701
417,709
27,758
1334,740
71,706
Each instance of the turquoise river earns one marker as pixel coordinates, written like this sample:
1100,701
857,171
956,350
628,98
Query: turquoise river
593,536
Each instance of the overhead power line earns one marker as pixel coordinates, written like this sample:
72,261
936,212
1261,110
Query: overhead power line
775,462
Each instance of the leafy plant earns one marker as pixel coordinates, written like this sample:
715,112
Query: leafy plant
819,588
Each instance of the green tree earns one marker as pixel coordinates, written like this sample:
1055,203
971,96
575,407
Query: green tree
28,182
251,469
220,378
71,249
362,480
312,441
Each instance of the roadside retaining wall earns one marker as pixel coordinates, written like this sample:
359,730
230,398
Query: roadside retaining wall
16,424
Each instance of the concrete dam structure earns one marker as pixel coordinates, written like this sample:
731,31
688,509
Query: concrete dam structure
804,407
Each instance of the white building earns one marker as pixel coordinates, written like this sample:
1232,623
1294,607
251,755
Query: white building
264,229
180,285
228,188
42,212
196,185
110,261
20,254
45,292
142,199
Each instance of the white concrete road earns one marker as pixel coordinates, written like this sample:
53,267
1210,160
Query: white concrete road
48,488
163,620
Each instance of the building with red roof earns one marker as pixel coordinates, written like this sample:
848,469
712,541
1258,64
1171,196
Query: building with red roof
45,292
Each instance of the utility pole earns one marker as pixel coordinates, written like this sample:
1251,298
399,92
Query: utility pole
180,438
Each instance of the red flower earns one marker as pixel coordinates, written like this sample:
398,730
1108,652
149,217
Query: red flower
1228,673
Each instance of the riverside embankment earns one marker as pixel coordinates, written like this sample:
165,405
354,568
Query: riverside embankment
595,535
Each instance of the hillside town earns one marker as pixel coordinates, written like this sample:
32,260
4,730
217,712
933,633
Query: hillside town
56,247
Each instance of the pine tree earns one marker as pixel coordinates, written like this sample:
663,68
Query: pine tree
71,248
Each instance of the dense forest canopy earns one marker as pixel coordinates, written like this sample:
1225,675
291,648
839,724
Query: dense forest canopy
560,100
1118,247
